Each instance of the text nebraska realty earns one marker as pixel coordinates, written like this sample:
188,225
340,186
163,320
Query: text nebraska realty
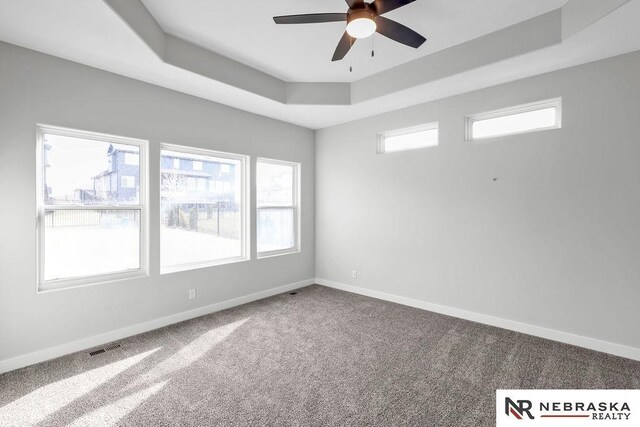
599,410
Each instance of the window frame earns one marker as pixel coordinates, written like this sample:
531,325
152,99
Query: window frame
509,111
296,198
407,131
43,285
245,210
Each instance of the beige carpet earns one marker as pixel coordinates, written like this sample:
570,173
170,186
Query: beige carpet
319,358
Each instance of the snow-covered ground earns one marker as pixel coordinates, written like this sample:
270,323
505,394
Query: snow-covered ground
90,250
179,247
83,251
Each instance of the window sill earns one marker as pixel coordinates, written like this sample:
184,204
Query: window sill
80,282
197,266
272,254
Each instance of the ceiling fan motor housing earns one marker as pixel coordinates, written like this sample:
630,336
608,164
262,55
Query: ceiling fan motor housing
361,22
365,13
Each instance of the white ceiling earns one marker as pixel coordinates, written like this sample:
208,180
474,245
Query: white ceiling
245,31
92,33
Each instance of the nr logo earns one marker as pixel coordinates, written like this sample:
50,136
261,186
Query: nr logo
518,408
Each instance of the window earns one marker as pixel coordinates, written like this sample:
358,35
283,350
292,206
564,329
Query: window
408,139
532,117
197,166
128,181
200,228
202,184
225,168
176,163
192,183
277,184
89,229
132,159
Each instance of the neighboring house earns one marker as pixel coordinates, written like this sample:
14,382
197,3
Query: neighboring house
183,180
119,183
186,180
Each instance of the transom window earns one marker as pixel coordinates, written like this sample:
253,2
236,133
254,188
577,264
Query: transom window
202,214
532,117
91,207
277,184
412,138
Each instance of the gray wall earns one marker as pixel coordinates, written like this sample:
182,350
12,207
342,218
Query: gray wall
36,88
554,242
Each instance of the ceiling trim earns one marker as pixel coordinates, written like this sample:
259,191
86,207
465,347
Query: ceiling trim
525,37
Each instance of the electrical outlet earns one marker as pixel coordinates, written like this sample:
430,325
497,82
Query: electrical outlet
354,274
192,294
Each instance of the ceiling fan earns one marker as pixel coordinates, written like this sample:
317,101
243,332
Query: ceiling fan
363,19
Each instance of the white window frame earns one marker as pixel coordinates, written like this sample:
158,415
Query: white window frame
245,210
295,205
406,131
509,111
41,208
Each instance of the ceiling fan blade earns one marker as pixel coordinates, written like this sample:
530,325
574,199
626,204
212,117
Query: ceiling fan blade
384,6
312,18
398,32
355,4
343,47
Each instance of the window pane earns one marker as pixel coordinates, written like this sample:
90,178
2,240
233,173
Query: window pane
515,123
276,201
90,242
408,141
88,172
276,229
274,184
201,212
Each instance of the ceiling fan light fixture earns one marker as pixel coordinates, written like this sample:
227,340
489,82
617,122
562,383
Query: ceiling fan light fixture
361,25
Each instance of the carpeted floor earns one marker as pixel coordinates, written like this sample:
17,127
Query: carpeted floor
319,358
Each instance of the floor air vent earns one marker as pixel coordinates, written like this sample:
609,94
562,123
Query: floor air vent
104,350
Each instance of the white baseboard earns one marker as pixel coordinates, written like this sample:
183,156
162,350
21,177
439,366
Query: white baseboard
538,331
107,337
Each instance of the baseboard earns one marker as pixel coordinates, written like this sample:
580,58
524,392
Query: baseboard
538,331
97,340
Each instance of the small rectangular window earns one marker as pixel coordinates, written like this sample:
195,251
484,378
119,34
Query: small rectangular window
202,184
197,166
176,163
89,229
408,139
277,184
131,159
532,117
128,181
201,228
